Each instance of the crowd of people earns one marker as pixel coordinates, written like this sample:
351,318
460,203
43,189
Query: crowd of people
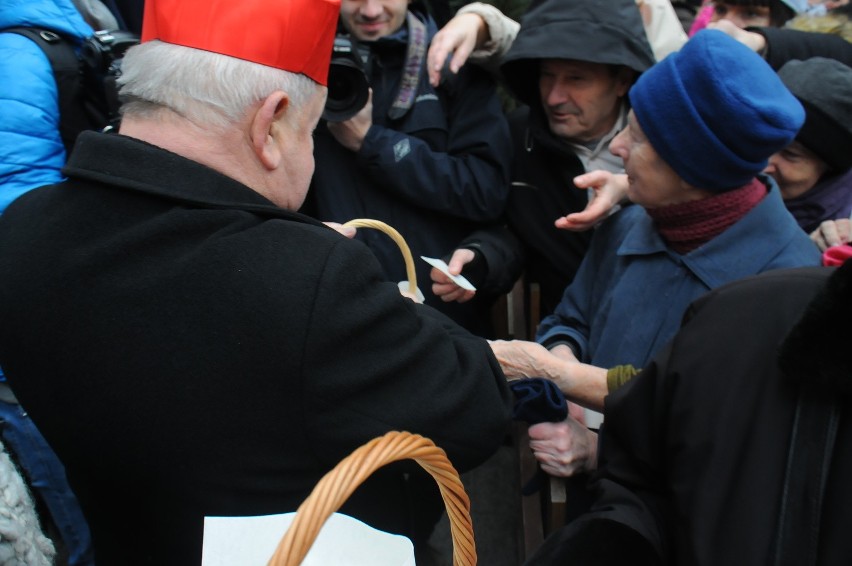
189,329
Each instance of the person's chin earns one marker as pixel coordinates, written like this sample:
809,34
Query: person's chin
371,33
563,128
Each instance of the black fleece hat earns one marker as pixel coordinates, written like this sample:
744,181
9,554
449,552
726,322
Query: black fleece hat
609,32
824,87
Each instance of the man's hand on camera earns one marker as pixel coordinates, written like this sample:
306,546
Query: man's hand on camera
351,133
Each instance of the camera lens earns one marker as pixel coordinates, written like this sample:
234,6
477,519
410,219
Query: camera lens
348,88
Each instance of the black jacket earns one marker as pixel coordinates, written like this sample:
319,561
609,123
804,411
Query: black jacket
787,44
544,166
190,349
696,460
542,189
435,174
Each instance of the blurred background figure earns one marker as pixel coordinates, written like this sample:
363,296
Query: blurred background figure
814,172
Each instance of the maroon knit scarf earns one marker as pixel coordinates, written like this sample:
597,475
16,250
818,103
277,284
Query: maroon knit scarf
690,225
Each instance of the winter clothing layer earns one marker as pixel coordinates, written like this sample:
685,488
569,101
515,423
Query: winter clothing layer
829,199
542,189
544,166
784,45
631,291
435,174
217,354
31,150
696,453
679,102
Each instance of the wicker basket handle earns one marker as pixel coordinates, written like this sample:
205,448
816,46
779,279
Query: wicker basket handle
338,484
400,241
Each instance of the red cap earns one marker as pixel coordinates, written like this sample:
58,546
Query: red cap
292,35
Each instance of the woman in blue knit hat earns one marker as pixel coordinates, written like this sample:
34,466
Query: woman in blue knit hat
703,124
683,478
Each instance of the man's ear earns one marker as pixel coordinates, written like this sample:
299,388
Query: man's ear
266,130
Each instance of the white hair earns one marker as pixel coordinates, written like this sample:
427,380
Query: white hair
204,87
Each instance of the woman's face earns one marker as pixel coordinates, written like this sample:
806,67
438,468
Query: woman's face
741,16
796,169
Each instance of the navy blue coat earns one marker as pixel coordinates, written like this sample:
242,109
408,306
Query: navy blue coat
434,175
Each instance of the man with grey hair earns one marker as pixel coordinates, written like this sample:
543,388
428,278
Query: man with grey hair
188,343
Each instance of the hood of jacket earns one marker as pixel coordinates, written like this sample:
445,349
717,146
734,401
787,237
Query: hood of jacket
599,31
60,16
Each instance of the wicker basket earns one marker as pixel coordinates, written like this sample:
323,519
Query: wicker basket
400,241
336,486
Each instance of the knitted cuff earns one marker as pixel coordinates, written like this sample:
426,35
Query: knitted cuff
619,375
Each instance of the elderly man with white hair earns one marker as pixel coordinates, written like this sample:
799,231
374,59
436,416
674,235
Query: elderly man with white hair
188,343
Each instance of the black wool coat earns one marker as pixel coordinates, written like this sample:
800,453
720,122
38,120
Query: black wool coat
696,466
190,349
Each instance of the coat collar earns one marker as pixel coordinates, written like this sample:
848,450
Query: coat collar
130,164
724,258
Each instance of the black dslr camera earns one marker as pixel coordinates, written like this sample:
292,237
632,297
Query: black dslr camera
348,87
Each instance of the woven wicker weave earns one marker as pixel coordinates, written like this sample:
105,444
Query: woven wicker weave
336,486
400,241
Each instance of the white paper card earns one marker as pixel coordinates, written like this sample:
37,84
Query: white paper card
457,279
342,541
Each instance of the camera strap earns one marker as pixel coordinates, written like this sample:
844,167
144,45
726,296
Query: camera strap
414,58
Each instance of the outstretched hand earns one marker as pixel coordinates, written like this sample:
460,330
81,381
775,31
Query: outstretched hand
753,40
447,289
458,39
521,359
608,190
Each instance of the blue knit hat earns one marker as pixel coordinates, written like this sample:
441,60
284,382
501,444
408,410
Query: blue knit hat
715,111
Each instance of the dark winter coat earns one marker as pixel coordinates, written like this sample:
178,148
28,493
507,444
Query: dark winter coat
784,45
190,349
696,466
544,166
542,189
435,174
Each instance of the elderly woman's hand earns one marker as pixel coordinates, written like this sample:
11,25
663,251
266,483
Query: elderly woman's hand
564,449
832,233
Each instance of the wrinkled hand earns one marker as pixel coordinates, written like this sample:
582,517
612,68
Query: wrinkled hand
564,352
564,449
521,359
458,38
348,231
753,40
832,233
608,190
351,133
446,288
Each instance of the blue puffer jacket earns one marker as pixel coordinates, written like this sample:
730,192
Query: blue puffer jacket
31,151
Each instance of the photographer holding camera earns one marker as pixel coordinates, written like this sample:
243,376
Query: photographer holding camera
431,162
